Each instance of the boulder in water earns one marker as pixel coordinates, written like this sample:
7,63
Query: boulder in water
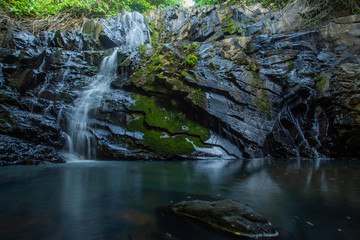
229,216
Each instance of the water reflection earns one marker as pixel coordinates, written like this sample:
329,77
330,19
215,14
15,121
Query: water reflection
116,200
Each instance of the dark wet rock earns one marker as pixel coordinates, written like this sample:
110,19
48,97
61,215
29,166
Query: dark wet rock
20,39
261,93
72,40
229,216
15,151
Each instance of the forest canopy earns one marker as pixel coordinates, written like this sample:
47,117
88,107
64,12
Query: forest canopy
107,8
79,8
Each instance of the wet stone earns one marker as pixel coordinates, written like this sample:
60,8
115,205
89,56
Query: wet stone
229,216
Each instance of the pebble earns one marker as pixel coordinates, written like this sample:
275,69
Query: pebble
311,224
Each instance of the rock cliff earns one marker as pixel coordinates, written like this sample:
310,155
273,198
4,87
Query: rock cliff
215,81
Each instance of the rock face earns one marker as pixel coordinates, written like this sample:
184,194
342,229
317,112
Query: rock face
217,81
280,95
37,78
229,216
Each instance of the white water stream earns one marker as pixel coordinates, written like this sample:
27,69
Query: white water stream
80,140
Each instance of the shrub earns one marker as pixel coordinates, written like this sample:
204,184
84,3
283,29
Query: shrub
192,60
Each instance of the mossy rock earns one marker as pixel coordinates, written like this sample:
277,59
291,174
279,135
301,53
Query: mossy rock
174,121
198,98
256,87
167,132
322,83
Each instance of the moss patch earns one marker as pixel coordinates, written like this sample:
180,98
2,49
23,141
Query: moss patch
261,98
322,83
165,70
165,131
155,34
151,66
291,66
198,98
230,27
171,120
142,49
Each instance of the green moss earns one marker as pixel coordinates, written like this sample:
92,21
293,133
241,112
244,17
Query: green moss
176,83
230,27
164,144
156,118
205,27
150,88
213,66
147,72
142,49
263,104
137,124
291,66
163,70
155,35
155,45
172,120
261,97
198,98
160,75
322,83
254,69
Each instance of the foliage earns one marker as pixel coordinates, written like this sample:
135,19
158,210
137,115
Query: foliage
327,7
78,8
189,53
192,60
267,3
322,9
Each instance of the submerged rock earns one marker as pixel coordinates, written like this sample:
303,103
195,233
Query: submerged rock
229,216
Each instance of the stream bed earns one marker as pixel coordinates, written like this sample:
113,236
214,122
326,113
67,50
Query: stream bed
304,199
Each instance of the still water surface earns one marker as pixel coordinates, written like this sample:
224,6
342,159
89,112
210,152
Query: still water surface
317,199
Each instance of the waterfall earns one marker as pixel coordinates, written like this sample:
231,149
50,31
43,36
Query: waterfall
81,141
136,29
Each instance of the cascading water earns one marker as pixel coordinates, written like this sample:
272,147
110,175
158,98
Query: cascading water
81,141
